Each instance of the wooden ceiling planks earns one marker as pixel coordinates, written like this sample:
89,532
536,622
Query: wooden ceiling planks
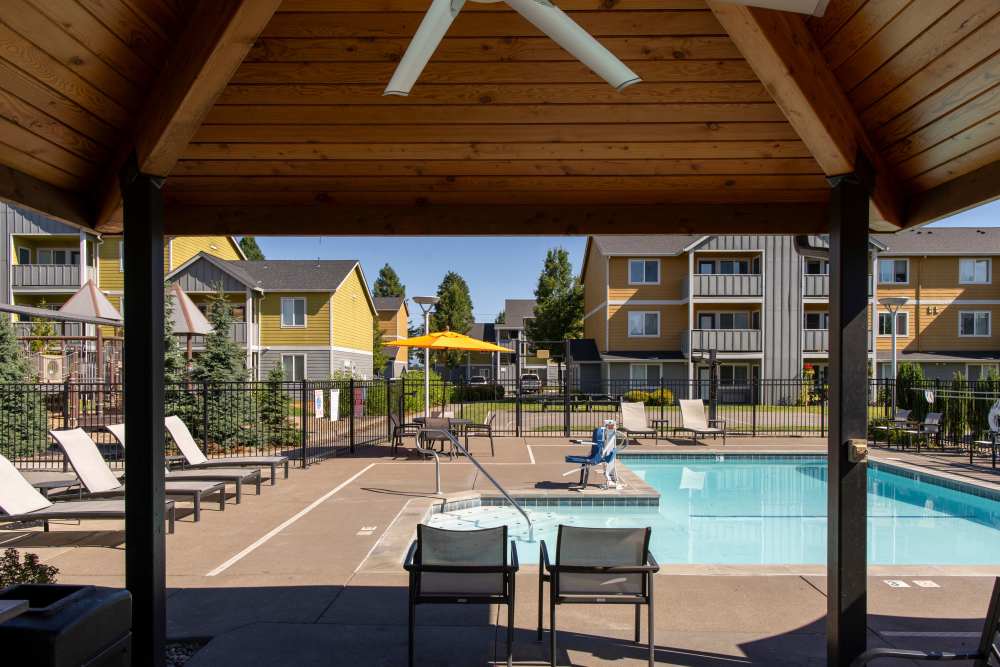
924,77
501,113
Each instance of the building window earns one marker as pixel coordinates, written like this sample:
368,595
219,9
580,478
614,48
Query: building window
974,271
294,367
734,266
706,267
893,271
974,323
734,374
975,372
643,324
24,255
644,272
902,324
816,267
58,256
734,320
817,321
293,312
644,374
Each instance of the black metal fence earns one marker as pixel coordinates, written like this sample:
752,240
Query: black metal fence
312,420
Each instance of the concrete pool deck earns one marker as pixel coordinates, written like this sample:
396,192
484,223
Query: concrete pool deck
289,577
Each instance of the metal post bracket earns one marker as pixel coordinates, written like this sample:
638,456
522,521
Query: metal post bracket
857,450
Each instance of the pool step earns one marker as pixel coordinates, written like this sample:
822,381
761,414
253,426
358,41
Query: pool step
492,516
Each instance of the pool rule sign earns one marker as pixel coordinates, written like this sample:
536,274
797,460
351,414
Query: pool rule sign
318,404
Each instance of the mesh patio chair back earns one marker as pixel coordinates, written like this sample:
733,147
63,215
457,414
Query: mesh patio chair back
184,440
932,422
490,416
448,414
461,548
17,495
634,416
86,460
902,415
693,414
601,547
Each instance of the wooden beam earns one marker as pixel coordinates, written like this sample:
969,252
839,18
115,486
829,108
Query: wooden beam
973,189
464,220
218,37
783,54
24,190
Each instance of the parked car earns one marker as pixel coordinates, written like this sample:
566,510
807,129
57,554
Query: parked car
477,379
530,383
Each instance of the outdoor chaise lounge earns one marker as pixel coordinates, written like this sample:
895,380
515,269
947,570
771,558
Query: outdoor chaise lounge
22,502
235,476
461,567
100,480
693,419
598,566
196,458
634,422
981,658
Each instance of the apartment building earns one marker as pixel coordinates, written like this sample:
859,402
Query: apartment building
656,306
313,318
393,322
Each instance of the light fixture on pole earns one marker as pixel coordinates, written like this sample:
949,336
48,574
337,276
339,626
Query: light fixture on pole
893,304
544,15
426,304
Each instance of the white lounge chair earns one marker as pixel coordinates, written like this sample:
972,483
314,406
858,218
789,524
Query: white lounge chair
22,502
197,459
693,419
234,476
100,480
634,422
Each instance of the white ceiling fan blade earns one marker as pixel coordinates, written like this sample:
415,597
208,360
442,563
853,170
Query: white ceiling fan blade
813,7
568,34
432,29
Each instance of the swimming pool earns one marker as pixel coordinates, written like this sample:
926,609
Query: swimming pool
772,510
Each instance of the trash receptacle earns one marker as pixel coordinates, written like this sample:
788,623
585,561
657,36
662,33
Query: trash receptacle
69,626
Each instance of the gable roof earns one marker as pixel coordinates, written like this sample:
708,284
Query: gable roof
515,311
388,303
943,241
483,331
296,275
641,244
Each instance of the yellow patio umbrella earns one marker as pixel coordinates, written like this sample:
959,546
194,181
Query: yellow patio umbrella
444,340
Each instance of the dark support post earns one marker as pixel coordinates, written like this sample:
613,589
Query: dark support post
304,435
145,557
713,385
847,479
351,422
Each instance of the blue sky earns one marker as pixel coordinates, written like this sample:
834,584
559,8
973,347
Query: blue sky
496,268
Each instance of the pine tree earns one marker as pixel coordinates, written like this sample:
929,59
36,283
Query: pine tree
248,245
42,328
219,366
22,409
453,312
387,283
501,317
559,302
380,358
274,410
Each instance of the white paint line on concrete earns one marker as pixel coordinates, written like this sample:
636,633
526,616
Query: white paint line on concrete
906,633
926,583
531,455
380,538
896,583
286,523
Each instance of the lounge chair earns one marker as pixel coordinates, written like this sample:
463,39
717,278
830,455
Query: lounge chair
196,458
485,429
898,422
598,566
22,502
693,419
99,480
981,658
461,566
401,430
235,476
634,423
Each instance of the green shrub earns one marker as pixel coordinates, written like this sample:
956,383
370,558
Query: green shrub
908,378
476,393
30,571
654,398
636,396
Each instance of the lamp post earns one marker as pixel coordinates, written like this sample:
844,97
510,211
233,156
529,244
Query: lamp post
893,304
426,304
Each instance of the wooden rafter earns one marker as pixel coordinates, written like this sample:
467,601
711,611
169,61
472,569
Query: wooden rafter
218,37
43,197
783,54
965,192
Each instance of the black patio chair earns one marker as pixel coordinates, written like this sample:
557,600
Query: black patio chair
401,430
461,567
435,429
981,658
598,566
929,429
485,429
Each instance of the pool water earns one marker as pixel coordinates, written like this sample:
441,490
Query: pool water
770,511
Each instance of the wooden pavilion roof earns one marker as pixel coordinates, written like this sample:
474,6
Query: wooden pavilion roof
268,116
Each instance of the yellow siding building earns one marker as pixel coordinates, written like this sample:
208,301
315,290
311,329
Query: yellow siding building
393,322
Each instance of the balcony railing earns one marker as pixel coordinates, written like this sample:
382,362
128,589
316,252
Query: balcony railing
59,276
815,340
726,284
722,340
26,329
237,332
818,285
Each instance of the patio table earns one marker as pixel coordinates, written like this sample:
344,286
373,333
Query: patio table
659,425
452,423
